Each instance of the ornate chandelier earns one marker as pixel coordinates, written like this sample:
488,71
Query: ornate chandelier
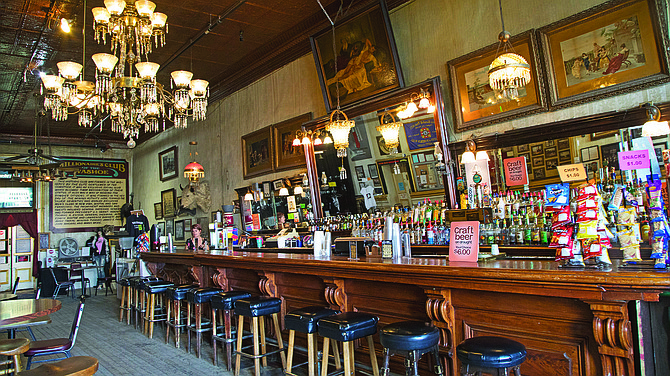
125,85
509,71
390,131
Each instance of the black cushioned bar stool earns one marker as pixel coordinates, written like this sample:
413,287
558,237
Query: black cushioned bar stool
141,306
305,320
175,296
257,308
410,339
196,298
347,327
137,299
152,290
495,355
225,301
125,299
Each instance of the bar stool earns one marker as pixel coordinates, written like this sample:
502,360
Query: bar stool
257,308
225,301
176,295
75,366
490,354
198,297
13,348
141,306
152,289
125,299
134,293
305,320
347,327
410,339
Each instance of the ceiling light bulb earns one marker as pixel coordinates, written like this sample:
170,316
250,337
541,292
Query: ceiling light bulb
283,191
297,190
411,107
653,128
147,70
181,78
430,109
105,62
145,8
101,15
131,144
296,141
424,103
65,25
199,87
482,156
69,69
306,140
317,141
115,7
327,139
249,196
158,20
52,82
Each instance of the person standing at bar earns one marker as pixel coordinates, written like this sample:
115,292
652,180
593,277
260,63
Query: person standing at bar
197,242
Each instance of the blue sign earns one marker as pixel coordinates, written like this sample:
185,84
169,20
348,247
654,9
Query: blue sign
421,134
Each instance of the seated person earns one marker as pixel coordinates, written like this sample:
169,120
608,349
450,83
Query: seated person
197,242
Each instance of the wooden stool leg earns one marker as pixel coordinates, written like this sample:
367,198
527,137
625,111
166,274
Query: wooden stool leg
347,358
311,360
336,353
177,319
289,359
188,325
198,333
240,326
373,357
170,307
257,362
130,304
517,371
280,341
436,359
324,362
227,322
151,316
315,350
17,364
214,335
123,304
261,320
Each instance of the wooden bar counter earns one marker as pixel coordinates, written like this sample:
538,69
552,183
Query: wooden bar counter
573,322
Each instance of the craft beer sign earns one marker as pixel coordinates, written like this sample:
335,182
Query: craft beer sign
515,171
464,241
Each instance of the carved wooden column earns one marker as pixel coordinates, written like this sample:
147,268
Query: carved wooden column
220,279
441,313
156,268
196,272
611,328
267,284
335,294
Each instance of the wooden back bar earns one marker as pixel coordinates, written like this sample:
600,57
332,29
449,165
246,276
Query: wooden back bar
572,321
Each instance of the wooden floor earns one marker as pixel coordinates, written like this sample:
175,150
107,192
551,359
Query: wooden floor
122,350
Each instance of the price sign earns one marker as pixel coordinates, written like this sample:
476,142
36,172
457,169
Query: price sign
515,171
634,159
572,172
464,241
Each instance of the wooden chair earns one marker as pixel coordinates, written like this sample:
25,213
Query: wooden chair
13,348
75,366
57,345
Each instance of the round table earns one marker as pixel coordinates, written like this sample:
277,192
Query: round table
7,296
13,311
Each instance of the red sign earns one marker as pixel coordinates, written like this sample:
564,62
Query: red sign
464,241
515,171
634,159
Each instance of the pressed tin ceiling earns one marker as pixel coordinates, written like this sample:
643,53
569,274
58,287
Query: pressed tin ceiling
230,43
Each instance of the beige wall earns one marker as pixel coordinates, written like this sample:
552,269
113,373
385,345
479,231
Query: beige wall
428,33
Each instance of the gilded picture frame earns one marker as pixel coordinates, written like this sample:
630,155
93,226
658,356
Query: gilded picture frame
615,47
476,104
287,156
168,201
257,153
168,163
367,60
158,210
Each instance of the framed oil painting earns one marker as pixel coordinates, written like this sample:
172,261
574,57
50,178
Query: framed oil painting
257,152
287,156
364,61
476,104
615,47
168,164
168,201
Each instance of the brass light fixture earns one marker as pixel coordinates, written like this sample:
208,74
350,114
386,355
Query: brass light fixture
469,154
509,71
389,130
194,170
654,126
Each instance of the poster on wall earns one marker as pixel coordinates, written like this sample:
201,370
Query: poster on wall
359,146
421,134
92,200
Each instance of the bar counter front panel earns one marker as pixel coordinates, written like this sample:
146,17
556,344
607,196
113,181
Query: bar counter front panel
572,322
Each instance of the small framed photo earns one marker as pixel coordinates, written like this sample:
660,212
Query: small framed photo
179,230
590,153
213,217
158,210
372,170
550,143
538,173
167,163
538,161
360,173
551,152
44,240
522,148
168,201
187,225
278,184
563,143
564,156
537,149
161,228
658,150
169,226
551,164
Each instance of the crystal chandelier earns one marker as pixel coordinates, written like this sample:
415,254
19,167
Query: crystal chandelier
125,85
390,132
509,71
340,131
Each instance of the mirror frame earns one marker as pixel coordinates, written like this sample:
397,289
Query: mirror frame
389,99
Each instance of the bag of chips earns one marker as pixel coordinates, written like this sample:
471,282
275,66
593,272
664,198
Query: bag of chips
631,254
587,191
561,217
561,237
617,198
591,247
557,194
588,230
626,216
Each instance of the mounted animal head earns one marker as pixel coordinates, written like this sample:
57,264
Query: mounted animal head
196,195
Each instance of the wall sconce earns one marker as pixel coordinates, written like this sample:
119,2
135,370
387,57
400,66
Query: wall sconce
249,196
283,191
298,190
654,127
66,25
389,131
411,107
469,154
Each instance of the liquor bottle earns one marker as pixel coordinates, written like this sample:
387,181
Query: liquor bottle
511,235
536,233
520,232
430,233
527,232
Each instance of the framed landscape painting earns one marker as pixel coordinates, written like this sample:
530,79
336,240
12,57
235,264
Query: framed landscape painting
615,47
364,61
476,104
257,152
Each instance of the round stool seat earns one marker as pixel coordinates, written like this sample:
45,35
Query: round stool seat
143,282
124,282
9,347
257,306
409,335
489,351
178,292
305,320
348,326
76,365
226,300
201,295
156,287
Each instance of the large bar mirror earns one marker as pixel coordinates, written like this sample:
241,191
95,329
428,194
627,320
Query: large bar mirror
392,175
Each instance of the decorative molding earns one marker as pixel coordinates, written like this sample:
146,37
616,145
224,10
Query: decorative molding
196,273
220,279
267,284
335,294
441,314
611,328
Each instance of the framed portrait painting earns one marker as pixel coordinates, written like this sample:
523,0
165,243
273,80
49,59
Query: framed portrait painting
476,103
168,202
168,164
287,156
616,46
257,153
364,61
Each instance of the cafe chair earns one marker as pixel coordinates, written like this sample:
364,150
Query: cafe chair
110,276
75,366
57,345
12,348
16,285
77,276
25,326
67,285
